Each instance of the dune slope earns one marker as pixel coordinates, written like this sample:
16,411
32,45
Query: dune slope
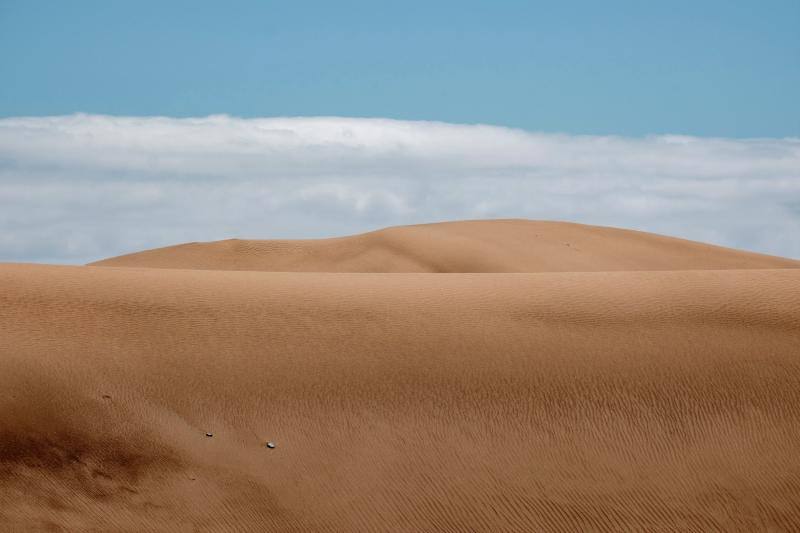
466,246
648,401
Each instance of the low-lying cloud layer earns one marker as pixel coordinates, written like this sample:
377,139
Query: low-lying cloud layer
78,188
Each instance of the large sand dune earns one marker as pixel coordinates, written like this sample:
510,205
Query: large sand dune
468,246
666,398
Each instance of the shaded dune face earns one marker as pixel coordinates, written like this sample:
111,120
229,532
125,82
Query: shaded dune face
469,246
656,400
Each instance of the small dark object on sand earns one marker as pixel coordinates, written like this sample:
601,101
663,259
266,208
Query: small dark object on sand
270,445
209,434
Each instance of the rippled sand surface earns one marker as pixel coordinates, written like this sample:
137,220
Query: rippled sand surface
474,376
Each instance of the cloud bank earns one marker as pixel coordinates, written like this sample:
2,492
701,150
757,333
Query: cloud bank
79,188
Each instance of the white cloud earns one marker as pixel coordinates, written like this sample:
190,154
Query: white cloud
78,188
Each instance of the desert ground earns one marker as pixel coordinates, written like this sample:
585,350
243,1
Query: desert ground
506,375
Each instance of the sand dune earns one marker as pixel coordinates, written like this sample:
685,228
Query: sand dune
653,400
467,246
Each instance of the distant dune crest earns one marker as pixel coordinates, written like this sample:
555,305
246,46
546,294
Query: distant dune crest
459,247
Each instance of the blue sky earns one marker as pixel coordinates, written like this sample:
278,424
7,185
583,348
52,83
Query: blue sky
702,67
127,125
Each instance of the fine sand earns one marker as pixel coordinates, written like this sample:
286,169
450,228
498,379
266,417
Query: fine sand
469,246
550,377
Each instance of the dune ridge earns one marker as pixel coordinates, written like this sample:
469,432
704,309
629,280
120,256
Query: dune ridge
463,246
660,399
